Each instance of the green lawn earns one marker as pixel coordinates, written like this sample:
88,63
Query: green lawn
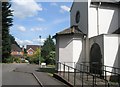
48,69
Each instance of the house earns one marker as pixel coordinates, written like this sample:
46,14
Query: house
16,51
93,38
31,49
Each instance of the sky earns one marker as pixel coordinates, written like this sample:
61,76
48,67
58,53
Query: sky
34,18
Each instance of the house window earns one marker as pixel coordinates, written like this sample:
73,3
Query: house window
30,52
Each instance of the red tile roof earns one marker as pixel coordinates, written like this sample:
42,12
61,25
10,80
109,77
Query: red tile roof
34,47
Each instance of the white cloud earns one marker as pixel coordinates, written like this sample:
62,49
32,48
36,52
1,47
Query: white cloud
41,19
23,42
21,28
64,8
37,29
25,8
58,21
53,4
39,41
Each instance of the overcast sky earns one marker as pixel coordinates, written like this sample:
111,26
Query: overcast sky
33,18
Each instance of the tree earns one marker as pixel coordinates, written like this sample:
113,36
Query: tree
51,58
12,40
35,57
48,46
6,23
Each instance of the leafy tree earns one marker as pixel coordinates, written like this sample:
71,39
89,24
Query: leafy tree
47,48
35,57
6,23
51,58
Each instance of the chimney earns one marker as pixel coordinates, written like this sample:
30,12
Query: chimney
73,28
23,49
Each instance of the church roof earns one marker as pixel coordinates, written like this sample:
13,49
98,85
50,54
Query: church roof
72,30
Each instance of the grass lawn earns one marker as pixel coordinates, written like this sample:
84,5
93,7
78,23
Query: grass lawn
50,69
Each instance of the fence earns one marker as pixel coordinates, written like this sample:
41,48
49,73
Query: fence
83,77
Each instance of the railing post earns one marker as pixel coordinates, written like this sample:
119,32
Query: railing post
80,69
93,81
87,73
82,80
105,77
64,70
60,68
68,73
108,84
96,70
119,79
74,76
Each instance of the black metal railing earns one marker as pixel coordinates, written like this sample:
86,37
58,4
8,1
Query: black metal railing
81,75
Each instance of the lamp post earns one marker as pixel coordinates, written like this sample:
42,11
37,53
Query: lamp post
40,50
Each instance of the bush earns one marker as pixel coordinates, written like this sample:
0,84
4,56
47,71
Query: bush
9,60
17,59
34,60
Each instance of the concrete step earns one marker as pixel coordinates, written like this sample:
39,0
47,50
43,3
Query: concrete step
87,80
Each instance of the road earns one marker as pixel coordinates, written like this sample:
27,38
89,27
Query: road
22,74
9,77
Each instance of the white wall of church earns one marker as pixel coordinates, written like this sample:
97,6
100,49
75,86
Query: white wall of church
111,51
108,19
103,21
119,17
70,49
92,29
65,49
77,49
82,7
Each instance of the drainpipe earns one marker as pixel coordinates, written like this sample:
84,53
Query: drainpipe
98,17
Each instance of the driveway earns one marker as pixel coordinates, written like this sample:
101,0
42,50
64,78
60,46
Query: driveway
27,74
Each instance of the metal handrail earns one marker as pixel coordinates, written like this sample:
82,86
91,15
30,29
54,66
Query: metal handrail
105,66
87,73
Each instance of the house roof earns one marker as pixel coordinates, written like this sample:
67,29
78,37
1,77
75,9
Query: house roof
72,30
14,47
34,47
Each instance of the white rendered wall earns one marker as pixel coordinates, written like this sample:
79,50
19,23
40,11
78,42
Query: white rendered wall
70,50
92,31
65,49
111,48
119,17
108,19
77,49
82,7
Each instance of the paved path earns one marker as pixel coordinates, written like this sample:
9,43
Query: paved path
20,74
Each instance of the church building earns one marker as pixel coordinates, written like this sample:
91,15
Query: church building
93,37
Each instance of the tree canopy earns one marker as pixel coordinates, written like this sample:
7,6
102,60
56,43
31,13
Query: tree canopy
6,23
48,47
12,40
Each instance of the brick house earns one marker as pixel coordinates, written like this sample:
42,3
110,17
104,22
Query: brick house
31,49
16,51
